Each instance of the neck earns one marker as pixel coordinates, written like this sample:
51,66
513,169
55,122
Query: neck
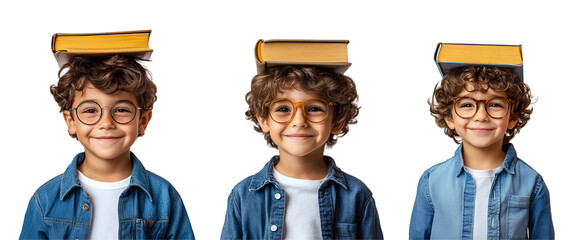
311,167
106,170
483,158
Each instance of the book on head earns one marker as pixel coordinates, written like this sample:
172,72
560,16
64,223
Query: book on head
132,43
299,52
449,56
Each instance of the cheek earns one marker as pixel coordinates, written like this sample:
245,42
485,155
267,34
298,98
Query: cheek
132,129
275,128
82,129
325,126
459,124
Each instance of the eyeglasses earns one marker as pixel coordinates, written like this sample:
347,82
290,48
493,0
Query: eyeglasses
467,107
283,110
90,112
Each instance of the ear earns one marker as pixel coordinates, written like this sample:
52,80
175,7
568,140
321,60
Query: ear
513,121
450,122
69,122
263,122
143,121
337,127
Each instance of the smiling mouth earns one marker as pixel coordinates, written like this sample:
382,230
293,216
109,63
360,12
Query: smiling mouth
106,138
299,136
481,130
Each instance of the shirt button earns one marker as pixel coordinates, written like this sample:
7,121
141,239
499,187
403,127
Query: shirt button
277,196
273,228
85,207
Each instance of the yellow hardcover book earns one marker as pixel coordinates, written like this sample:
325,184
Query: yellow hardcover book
453,55
132,43
323,53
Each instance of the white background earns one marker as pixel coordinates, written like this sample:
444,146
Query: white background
203,62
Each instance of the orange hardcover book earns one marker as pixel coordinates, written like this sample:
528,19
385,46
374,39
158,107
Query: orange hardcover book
323,53
453,55
133,43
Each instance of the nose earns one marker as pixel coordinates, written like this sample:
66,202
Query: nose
106,120
481,113
299,119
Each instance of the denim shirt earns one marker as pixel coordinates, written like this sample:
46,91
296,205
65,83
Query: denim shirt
256,207
149,208
518,206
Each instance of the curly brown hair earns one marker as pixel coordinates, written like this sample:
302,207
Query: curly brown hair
481,78
325,83
110,74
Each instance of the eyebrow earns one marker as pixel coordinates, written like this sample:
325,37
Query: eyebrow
489,96
96,100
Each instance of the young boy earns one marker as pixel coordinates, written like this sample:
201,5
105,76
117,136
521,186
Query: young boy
106,193
484,191
301,194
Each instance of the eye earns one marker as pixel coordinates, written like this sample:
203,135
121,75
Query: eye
122,110
496,105
123,107
89,110
466,103
316,109
282,109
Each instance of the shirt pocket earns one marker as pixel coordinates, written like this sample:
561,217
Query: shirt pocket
346,230
517,216
150,228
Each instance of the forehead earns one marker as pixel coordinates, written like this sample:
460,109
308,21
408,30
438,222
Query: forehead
481,94
296,95
92,93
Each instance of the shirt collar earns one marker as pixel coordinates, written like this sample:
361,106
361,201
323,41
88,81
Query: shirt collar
266,175
507,165
139,178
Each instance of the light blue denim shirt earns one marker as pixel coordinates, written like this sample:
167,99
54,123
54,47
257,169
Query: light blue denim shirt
149,208
257,205
518,208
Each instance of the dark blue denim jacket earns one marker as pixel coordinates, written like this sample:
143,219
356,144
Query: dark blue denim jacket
518,208
256,207
150,208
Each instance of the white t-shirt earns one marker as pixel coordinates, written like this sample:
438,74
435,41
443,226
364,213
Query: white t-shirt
302,217
483,180
104,197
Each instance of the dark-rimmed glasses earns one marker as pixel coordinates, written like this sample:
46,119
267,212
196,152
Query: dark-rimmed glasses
90,112
283,110
467,107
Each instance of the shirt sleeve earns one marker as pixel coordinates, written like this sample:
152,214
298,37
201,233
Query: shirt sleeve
33,222
540,224
179,226
423,211
371,228
232,223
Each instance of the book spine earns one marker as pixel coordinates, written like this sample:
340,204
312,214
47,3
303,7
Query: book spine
436,53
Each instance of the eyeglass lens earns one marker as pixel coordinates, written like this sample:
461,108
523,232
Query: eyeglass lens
283,111
468,107
90,112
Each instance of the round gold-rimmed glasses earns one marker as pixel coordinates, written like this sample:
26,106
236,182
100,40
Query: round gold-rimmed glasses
314,110
467,107
90,112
